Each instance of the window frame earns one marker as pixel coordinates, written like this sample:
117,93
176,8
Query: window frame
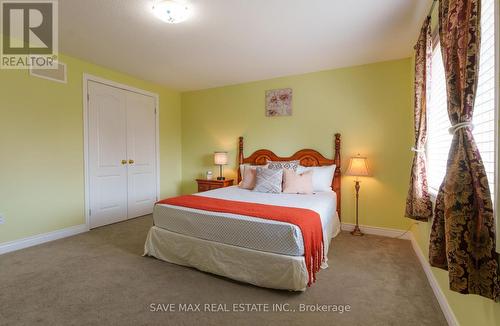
497,119
435,43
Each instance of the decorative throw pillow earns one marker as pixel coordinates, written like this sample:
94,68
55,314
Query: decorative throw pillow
322,177
249,166
280,165
268,180
295,183
248,174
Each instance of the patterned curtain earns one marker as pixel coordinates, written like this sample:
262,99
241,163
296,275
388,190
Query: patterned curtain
418,202
463,230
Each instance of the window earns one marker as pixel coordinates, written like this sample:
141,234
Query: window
439,140
484,120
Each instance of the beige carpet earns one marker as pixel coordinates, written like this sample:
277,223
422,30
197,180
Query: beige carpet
100,278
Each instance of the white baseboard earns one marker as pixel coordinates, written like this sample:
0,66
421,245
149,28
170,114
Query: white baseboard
443,303
384,232
10,246
393,233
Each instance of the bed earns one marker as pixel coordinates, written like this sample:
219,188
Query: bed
258,251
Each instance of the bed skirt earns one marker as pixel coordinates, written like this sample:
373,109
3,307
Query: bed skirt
246,265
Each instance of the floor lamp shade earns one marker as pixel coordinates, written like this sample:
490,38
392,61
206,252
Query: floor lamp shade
358,167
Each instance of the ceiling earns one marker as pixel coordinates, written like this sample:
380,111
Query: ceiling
234,41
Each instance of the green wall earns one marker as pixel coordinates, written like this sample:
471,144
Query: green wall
41,148
369,105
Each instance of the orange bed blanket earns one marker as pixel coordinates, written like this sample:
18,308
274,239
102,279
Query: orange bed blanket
307,220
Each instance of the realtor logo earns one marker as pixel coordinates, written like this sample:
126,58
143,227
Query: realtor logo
29,34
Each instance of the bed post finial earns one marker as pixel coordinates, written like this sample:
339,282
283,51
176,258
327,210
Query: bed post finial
337,145
240,157
337,178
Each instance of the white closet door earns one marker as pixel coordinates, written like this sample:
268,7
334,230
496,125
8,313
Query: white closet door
107,154
141,140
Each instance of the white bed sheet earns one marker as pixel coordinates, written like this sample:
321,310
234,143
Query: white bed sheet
251,232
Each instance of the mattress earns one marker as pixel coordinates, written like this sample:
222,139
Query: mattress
246,231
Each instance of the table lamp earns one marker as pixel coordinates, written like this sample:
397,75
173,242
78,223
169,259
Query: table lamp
220,159
358,167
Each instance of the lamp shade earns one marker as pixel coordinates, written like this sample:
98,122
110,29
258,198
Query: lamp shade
220,158
358,166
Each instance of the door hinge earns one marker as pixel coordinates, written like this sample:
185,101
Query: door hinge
155,109
88,97
90,212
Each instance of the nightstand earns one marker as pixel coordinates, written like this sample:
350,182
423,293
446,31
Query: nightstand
205,185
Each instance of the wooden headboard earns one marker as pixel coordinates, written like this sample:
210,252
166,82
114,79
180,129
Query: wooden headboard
307,157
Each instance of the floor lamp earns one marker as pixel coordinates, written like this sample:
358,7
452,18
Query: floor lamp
358,167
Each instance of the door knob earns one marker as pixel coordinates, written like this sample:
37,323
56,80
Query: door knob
130,161
124,162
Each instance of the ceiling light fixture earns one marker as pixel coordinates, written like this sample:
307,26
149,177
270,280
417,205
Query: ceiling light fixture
171,11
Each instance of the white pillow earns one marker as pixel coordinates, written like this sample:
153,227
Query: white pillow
242,167
322,177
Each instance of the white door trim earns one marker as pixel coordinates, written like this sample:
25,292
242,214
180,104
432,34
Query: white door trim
86,79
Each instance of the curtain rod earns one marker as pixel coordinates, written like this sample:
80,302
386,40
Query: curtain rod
432,7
